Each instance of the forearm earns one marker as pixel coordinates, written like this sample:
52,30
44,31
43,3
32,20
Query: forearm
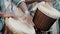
50,1
1,13
23,6
31,1
4,14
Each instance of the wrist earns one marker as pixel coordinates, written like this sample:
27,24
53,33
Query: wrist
27,12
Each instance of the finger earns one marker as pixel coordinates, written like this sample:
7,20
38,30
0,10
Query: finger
31,23
15,17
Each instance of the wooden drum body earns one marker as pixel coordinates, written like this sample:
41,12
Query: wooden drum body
42,21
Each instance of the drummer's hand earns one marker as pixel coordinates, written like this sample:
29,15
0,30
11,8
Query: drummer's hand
6,15
28,18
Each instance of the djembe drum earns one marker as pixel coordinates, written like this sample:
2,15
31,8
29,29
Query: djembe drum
19,26
45,16
42,21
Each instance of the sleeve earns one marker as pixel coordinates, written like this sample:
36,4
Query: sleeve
17,2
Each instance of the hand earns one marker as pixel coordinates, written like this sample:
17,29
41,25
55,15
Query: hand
14,16
28,18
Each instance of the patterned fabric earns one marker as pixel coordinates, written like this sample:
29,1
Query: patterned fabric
18,1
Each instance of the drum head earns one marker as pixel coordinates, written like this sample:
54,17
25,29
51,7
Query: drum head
19,26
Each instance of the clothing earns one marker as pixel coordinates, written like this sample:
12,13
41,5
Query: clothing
17,2
57,5
1,18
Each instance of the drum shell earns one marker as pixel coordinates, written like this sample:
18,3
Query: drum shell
42,22
6,30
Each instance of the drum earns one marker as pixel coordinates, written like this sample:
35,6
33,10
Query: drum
45,16
6,30
42,21
18,26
